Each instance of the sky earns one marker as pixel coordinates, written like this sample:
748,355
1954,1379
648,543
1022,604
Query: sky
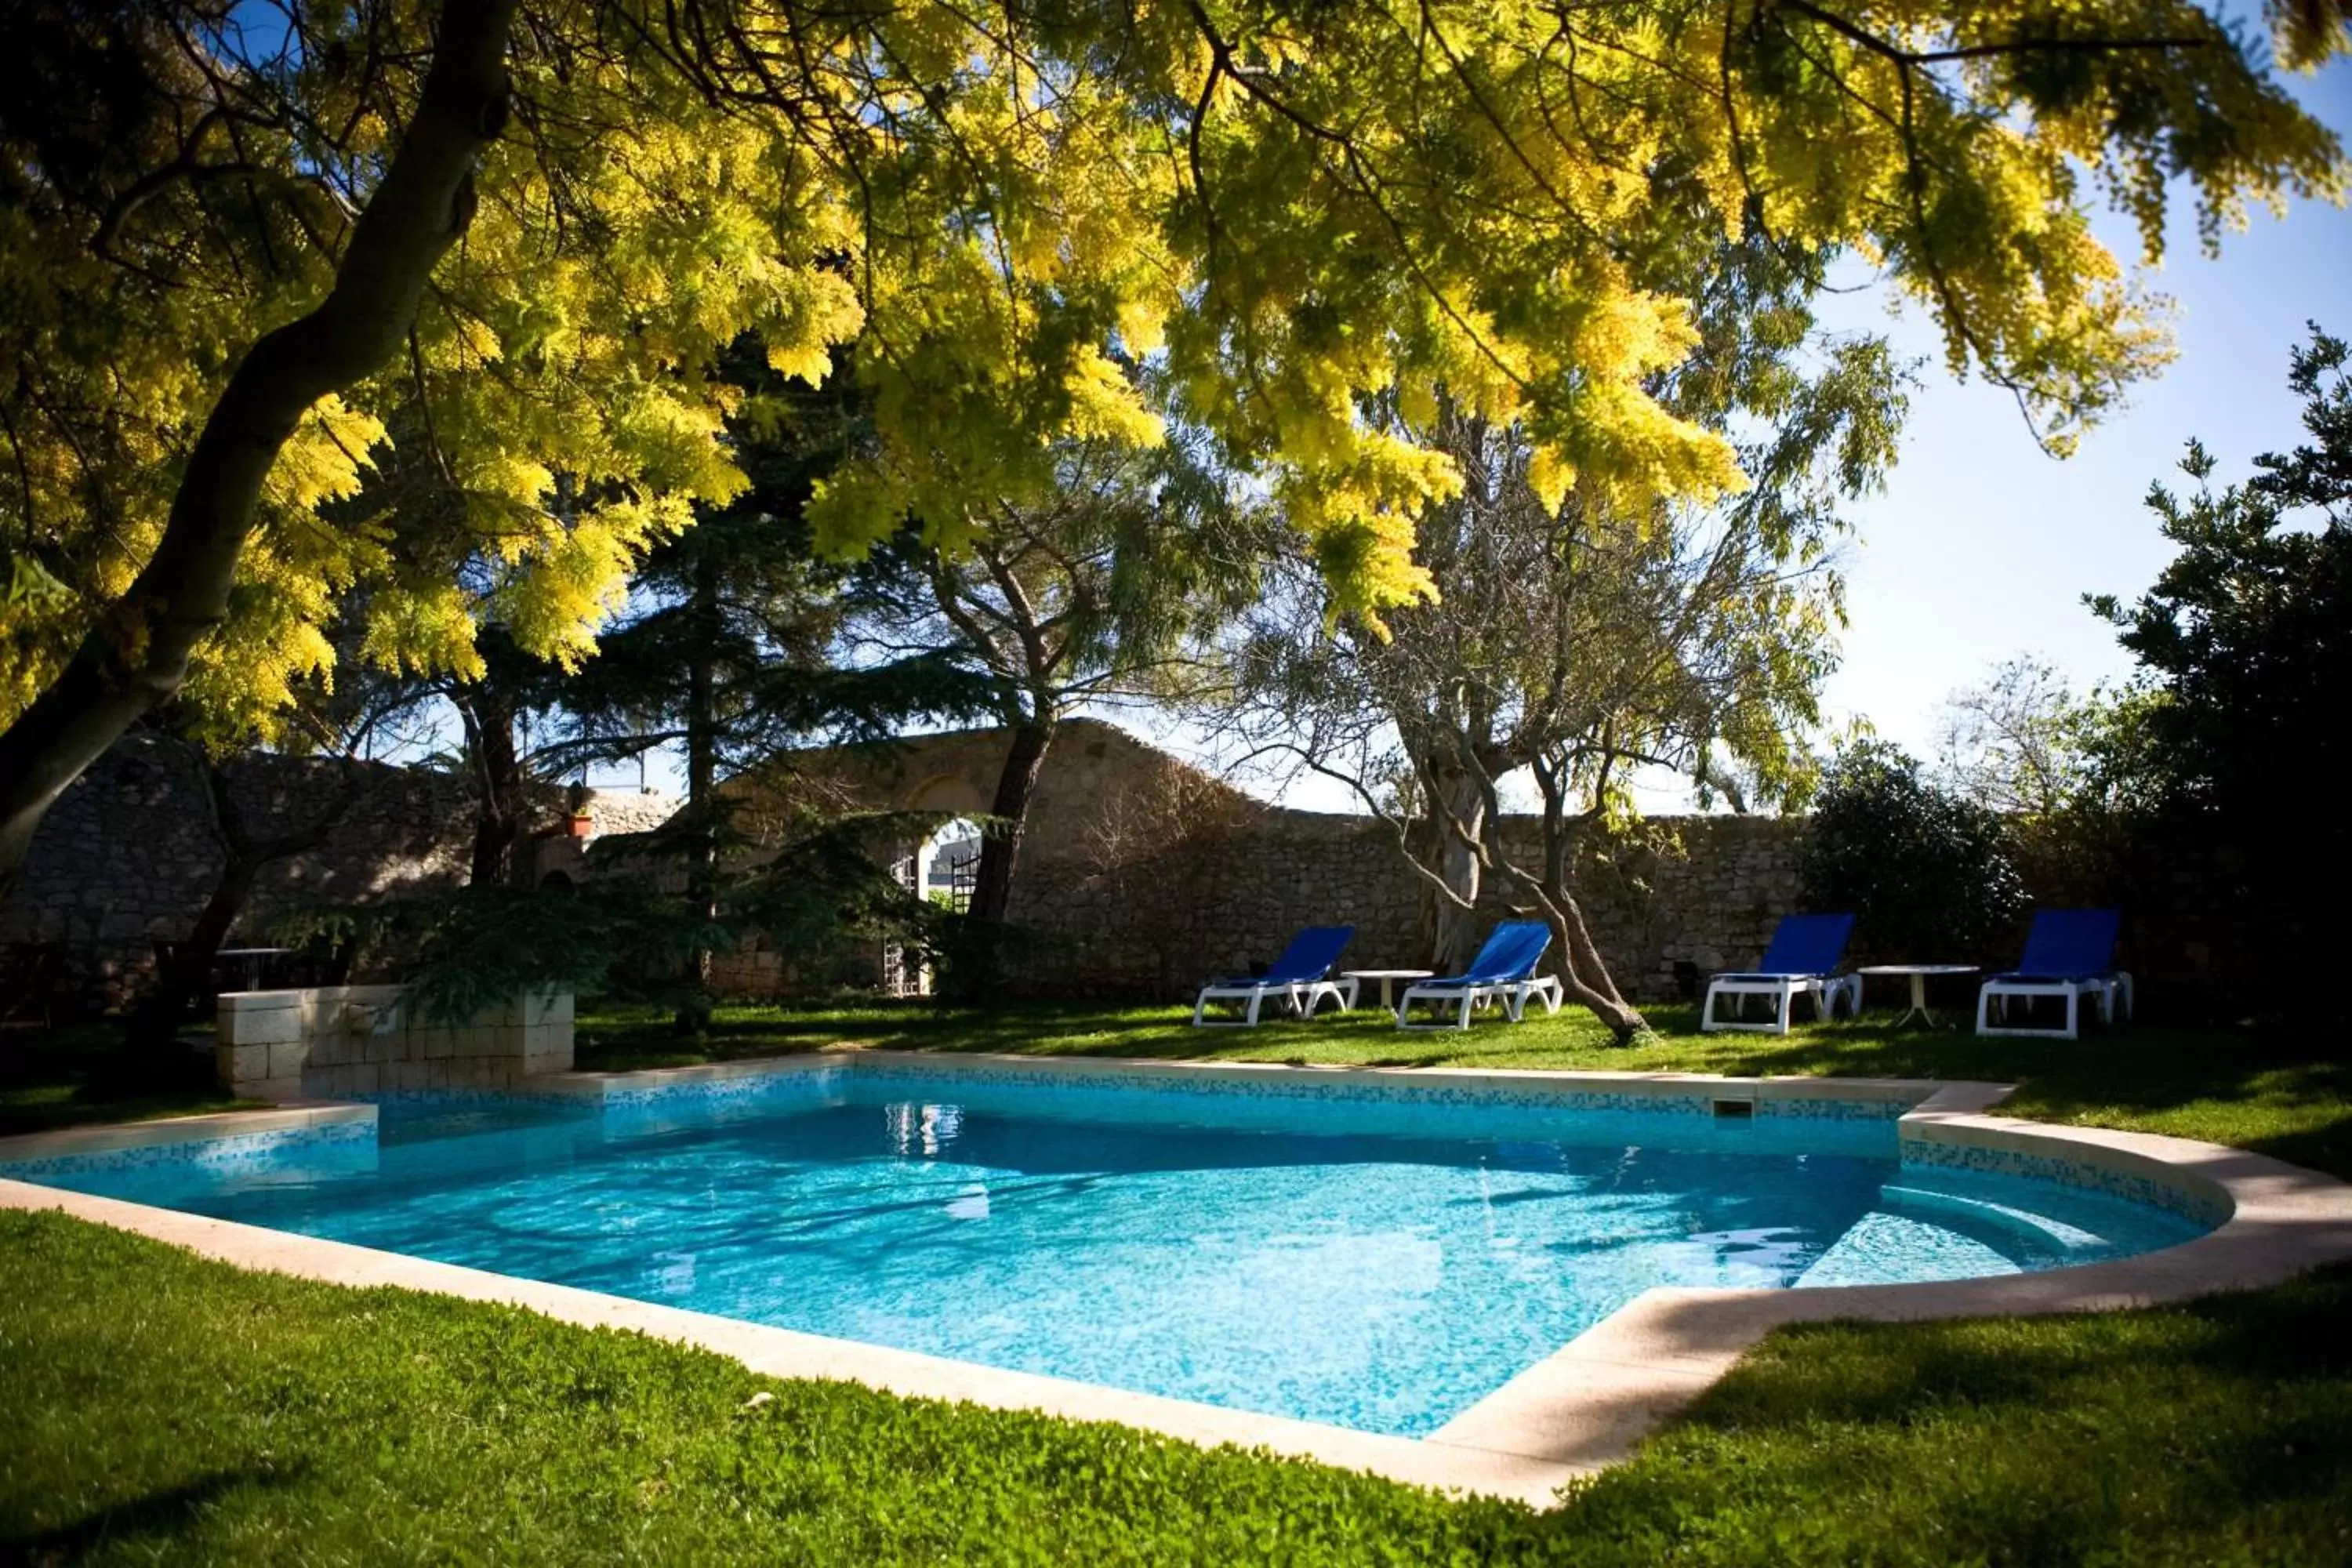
1981,547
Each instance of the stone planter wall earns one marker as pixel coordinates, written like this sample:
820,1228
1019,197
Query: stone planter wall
339,1040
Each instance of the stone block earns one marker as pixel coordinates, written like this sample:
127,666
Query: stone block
365,1078
433,1044
287,1057
544,1007
241,1065
272,1088
246,1025
558,1059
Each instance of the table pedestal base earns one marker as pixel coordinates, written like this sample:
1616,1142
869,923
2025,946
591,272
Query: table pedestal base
1919,1004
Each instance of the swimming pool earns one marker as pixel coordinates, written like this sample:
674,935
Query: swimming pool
1368,1256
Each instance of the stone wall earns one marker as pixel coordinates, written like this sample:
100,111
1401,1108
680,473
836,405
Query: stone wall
334,1041
1141,875
126,857
1233,889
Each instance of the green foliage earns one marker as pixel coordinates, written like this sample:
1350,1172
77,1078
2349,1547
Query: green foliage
1575,637
1007,210
2246,635
2245,643
729,646
478,946
1924,870
1102,587
2072,778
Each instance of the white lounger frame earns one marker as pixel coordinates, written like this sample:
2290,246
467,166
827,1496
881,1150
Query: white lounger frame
2108,990
1784,990
1512,993
1301,997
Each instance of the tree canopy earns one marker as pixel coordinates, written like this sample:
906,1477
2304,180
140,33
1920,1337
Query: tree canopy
248,248
2244,634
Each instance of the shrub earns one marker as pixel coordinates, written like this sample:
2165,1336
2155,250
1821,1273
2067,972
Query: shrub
1925,872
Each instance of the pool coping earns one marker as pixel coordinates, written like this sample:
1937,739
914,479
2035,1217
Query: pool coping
1584,1406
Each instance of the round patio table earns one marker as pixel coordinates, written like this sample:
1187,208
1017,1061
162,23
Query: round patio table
1918,973
1384,976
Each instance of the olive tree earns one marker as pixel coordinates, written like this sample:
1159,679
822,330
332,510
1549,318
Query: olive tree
1573,645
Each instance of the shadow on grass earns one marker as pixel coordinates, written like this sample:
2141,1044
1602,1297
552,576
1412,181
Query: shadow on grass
57,1077
163,1514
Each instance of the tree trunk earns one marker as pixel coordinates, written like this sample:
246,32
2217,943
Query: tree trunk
498,822
1583,973
1452,927
1000,845
245,857
702,771
136,656
1586,975
182,979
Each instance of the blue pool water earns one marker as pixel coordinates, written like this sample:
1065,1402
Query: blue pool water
1371,1266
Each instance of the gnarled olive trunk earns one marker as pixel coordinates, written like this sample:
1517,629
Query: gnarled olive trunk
1450,923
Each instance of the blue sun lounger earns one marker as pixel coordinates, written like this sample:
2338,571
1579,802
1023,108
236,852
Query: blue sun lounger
1503,971
2069,953
1301,977
1801,962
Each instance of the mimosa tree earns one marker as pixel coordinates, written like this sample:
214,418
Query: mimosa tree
239,240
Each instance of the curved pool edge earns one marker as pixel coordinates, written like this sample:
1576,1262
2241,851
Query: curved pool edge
1588,1403
1582,1408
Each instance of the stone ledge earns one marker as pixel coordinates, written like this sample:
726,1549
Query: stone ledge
1338,1076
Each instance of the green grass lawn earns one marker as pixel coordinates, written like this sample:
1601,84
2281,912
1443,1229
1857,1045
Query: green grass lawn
163,1408
154,1406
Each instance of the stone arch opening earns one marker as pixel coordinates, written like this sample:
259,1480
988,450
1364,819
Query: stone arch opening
947,862
951,793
